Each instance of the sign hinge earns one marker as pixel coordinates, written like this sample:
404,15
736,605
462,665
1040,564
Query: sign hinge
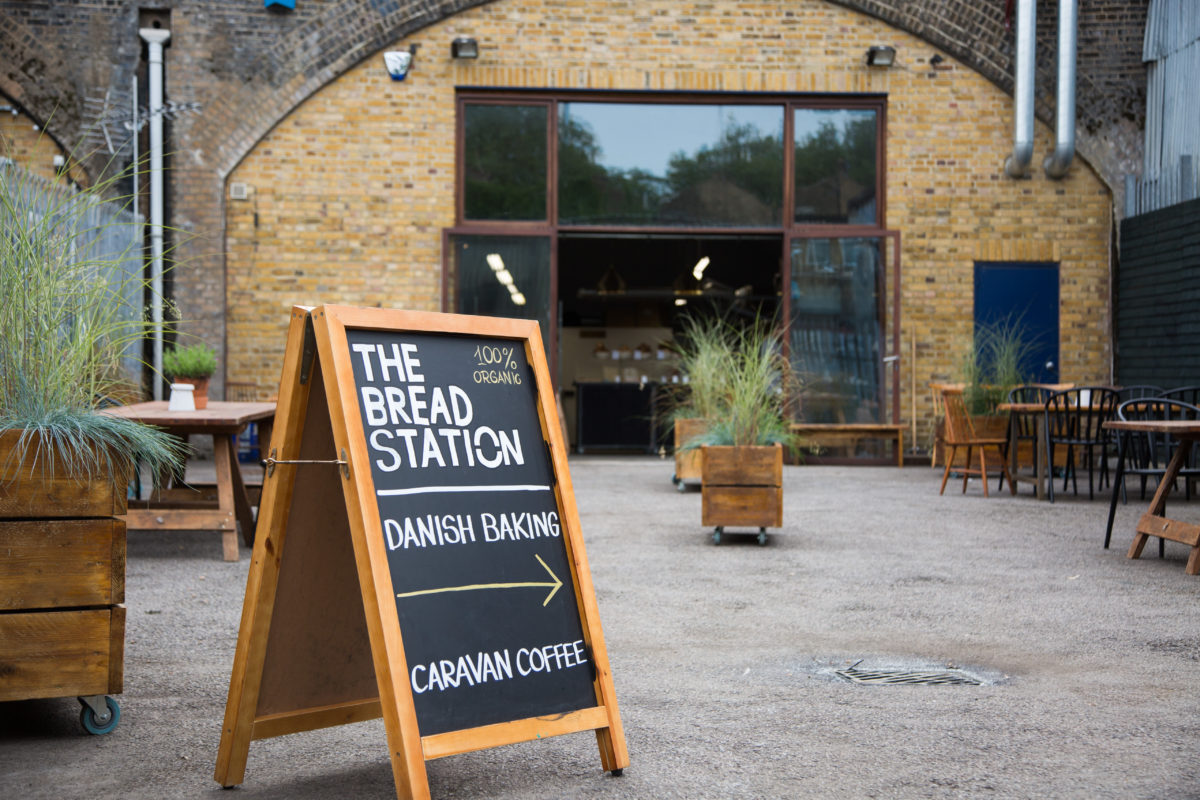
270,461
309,352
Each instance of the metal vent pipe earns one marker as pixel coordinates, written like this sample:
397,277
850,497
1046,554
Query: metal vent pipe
156,38
1056,163
1017,164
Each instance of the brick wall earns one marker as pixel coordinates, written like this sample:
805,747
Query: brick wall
250,68
386,151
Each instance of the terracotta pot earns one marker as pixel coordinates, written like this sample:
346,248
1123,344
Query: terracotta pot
199,390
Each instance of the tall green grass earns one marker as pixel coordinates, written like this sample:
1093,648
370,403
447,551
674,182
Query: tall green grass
746,383
995,362
705,350
65,328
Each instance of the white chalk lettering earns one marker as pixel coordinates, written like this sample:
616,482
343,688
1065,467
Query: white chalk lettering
468,670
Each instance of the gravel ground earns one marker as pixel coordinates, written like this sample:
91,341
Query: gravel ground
724,659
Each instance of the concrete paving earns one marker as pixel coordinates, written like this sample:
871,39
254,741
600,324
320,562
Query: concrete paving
724,659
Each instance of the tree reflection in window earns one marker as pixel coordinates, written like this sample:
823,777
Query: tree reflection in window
835,166
735,178
504,163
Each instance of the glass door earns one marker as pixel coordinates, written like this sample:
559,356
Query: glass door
503,276
843,326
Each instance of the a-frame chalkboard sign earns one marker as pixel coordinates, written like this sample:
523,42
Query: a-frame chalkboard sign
418,552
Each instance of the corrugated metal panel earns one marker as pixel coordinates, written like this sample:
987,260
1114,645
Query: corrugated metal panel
105,235
1171,25
1172,132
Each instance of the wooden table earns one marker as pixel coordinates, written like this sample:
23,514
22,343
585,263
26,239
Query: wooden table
180,509
1041,473
1153,523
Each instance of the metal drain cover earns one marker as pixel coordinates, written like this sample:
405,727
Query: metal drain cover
947,677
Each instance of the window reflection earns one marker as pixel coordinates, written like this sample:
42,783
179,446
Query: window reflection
504,162
503,276
695,165
835,166
837,328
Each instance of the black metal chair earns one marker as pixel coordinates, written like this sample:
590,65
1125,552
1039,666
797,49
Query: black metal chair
1147,454
1188,394
1138,391
1024,426
1080,427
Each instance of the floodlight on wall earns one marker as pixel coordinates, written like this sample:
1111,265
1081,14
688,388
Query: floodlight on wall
881,55
701,265
464,47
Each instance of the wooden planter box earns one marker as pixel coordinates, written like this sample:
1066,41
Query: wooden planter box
62,582
687,462
742,486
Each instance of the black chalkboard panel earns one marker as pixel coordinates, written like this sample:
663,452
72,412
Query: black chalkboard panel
470,519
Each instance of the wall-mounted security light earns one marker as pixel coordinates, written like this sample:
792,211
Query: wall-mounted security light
464,47
698,270
881,55
935,60
399,62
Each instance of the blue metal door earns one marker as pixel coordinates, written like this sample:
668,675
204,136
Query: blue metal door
1023,294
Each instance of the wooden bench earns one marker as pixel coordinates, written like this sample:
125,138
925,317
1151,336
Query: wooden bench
850,433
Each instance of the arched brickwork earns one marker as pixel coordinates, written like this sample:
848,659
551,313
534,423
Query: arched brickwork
250,68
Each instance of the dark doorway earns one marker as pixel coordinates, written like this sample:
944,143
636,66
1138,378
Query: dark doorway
621,300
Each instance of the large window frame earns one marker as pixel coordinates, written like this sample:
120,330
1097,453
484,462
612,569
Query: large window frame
787,228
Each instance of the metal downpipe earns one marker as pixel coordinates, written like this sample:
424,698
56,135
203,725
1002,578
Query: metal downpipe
1057,163
155,38
1017,164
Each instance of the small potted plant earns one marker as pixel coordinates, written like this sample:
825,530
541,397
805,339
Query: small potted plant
742,445
193,364
70,320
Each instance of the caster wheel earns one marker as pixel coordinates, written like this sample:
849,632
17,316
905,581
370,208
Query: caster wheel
99,725
762,538
681,486
675,480
716,537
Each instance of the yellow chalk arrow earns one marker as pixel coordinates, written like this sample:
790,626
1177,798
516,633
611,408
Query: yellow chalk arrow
554,585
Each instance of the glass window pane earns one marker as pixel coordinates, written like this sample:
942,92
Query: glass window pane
686,165
837,328
503,276
504,162
835,166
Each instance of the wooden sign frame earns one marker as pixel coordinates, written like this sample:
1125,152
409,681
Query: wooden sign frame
312,652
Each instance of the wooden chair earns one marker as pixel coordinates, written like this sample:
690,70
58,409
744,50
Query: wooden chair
1080,426
960,432
939,421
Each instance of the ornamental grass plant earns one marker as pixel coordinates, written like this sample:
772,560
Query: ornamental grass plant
71,315
747,383
996,361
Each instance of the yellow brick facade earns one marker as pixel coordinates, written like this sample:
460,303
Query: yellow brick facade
22,141
349,195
